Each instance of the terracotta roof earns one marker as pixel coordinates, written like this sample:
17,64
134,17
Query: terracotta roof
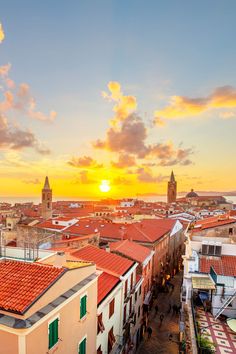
109,262
22,283
148,231
49,225
225,265
131,249
106,282
212,222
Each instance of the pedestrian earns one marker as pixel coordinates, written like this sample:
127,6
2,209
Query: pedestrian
169,308
179,308
149,330
174,308
156,309
161,318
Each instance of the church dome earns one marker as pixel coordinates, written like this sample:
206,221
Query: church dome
191,194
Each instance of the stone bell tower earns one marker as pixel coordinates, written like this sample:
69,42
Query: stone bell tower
46,200
172,189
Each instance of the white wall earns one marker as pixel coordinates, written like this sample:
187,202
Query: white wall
114,321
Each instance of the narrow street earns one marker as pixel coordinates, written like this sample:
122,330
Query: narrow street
159,341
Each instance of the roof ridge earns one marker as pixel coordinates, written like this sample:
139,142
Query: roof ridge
145,235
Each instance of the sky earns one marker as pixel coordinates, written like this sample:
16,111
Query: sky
118,90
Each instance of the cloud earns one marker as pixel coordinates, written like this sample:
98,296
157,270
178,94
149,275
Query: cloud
2,34
128,135
124,160
184,107
16,138
128,138
32,181
4,70
84,178
146,176
84,161
124,105
121,180
19,99
228,115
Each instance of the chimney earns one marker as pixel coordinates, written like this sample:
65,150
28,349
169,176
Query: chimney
60,259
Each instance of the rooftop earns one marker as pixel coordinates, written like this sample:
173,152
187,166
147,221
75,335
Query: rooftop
131,249
109,262
22,283
224,265
106,282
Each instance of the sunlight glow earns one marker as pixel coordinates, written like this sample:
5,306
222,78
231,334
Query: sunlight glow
105,186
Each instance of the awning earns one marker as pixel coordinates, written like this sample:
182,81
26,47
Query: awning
231,322
147,298
203,283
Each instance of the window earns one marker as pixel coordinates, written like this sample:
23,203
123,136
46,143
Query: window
135,296
83,306
132,280
204,249
111,308
82,346
140,290
138,311
99,350
53,333
100,327
211,250
130,305
124,319
126,288
111,340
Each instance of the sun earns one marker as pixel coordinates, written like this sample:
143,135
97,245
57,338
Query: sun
104,186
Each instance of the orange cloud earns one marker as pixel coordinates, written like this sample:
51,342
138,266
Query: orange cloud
84,161
125,105
21,99
124,160
128,136
2,34
181,107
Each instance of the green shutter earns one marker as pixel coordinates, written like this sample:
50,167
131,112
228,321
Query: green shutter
83,306
82,347
53,333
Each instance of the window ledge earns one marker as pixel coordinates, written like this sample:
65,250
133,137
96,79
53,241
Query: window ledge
84,317
54,348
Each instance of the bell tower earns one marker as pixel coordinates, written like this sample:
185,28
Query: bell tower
172,189
46,200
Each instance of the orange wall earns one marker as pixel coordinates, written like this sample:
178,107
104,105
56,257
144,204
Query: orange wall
8,343
71,329
67,281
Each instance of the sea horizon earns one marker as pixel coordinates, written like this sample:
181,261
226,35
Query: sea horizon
150,198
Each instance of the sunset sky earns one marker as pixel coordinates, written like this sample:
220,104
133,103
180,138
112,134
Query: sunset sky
117,90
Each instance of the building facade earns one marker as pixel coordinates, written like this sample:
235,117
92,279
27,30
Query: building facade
46,200
172,189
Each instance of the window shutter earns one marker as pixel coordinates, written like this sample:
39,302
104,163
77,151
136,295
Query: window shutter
83,306
82,347
53,333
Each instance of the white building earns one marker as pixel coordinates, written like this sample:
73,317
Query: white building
210,264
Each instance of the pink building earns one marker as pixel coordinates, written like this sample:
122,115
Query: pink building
47,309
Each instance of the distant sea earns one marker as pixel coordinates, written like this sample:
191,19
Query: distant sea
36,200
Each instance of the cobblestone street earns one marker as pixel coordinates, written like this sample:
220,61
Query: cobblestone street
159,341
